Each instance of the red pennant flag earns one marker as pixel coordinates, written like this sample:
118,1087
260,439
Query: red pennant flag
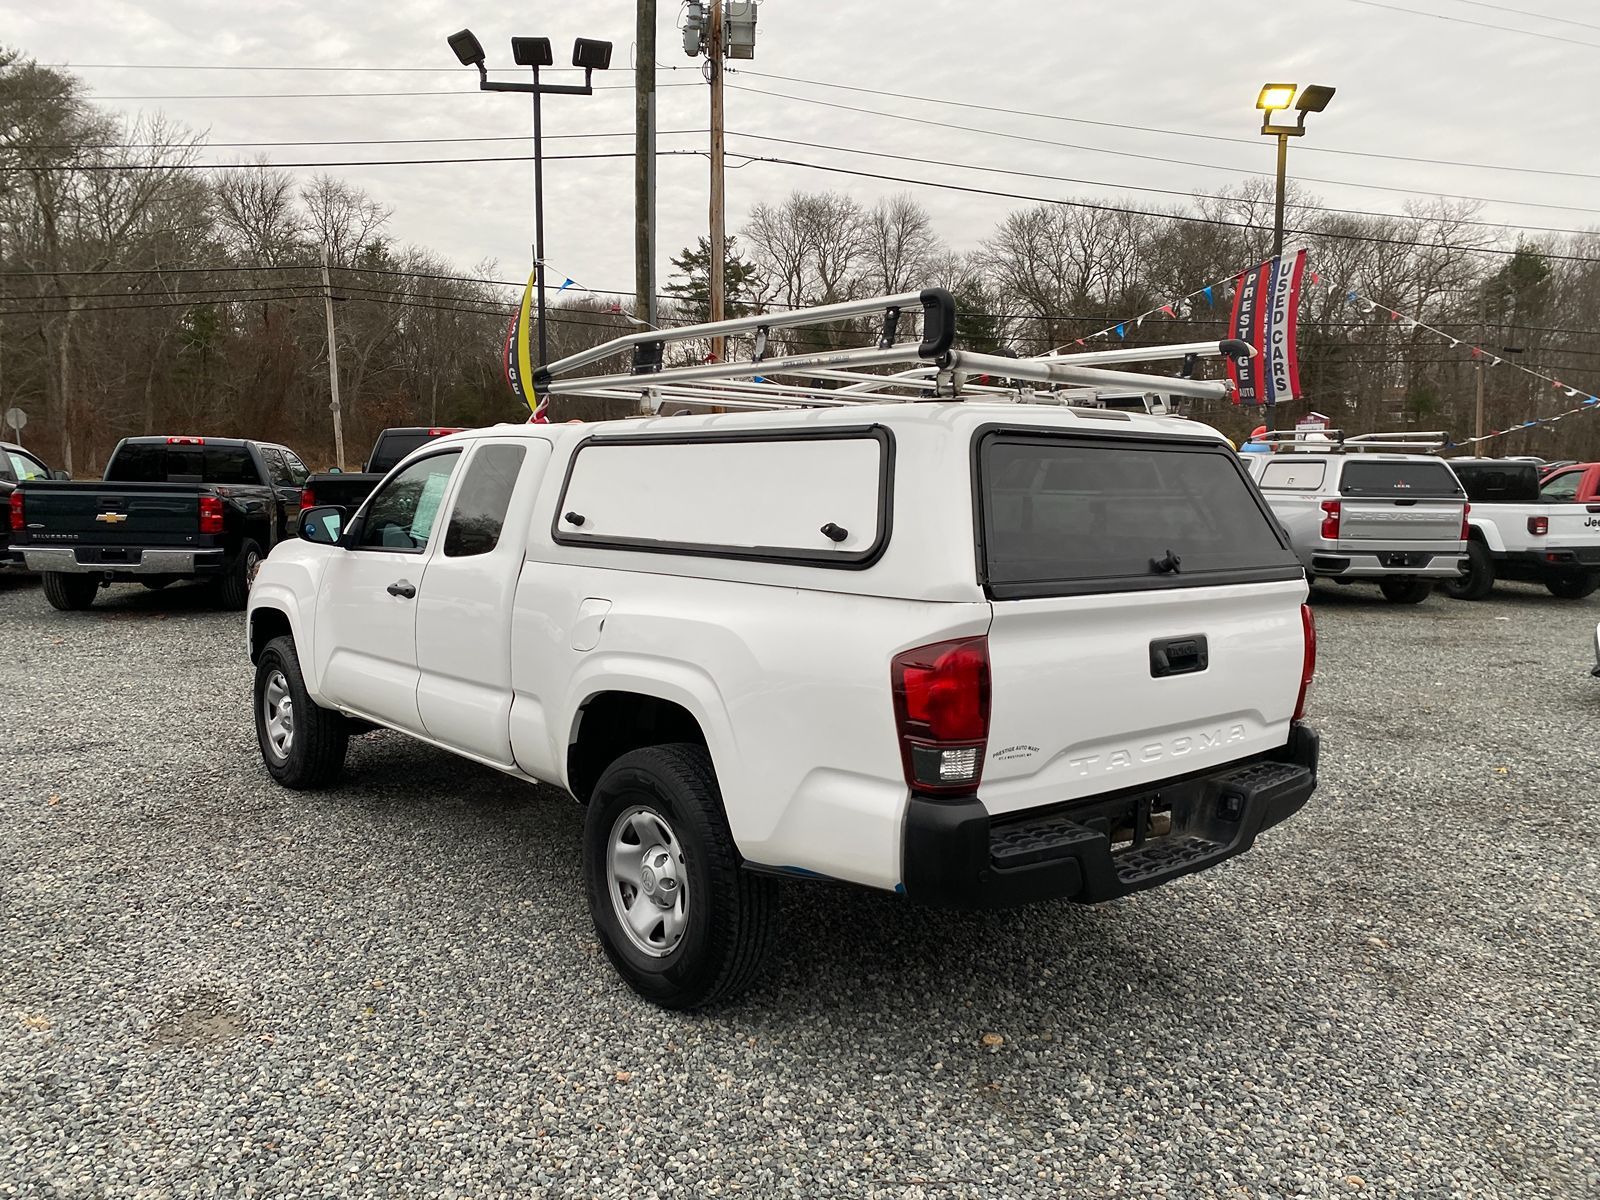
1477,352
1080,341
1393,316
1315,278
1555,383
1167,308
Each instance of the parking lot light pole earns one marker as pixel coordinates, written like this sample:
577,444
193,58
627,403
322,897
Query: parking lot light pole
1276,98
534,52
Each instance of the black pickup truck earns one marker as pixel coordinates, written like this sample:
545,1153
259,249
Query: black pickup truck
168,508
349,489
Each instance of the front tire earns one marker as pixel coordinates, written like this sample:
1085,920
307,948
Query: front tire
68,591
678,916
1478,579
302,744
1406,591
233,588
1573,587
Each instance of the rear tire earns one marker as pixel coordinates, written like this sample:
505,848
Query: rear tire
678,916
1406,591
1478,579
302,744
68,591
1573,587
233,588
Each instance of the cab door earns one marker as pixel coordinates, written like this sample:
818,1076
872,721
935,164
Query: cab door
464,605
366,623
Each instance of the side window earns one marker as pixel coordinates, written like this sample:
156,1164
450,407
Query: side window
1563,489
276,467
27,466
481,502
403,513
297,469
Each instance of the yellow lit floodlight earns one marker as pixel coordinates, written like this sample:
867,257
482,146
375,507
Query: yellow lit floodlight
1275,96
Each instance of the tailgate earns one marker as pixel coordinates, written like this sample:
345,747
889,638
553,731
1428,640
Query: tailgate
1078,705
1573,526
112,515
1363,523
1147,615
1399,502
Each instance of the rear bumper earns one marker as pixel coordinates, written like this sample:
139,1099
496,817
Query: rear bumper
95,560
1557,558
1407,564
957,857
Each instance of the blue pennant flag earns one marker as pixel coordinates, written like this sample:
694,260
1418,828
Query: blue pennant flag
1207,290
1351,297
1593,400
1120,331
564,286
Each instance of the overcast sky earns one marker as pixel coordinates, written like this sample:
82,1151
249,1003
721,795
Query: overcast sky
1408,85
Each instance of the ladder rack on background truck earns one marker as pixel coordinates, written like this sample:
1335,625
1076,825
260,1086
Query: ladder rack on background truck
1334,441
931,369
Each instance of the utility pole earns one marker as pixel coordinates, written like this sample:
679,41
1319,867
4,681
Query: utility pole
1477,362
644,165
333,363
718,216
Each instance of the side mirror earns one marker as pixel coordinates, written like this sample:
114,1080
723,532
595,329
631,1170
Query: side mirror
323,524
63,476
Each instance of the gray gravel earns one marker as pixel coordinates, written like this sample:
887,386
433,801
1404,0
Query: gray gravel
214,987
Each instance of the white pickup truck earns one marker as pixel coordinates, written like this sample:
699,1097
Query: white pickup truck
1360,516
1518,533
976,653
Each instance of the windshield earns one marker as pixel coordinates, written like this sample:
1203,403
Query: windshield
1067,515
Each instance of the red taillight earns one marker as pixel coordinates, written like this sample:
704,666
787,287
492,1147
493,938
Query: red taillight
1330,520
210,514
941,709
17,520
1308,661
186,441
441,432
1466,525
1539,525
308,498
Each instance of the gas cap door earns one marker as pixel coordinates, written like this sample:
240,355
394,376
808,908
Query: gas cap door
591,621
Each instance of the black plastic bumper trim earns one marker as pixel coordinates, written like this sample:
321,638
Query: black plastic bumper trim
957,856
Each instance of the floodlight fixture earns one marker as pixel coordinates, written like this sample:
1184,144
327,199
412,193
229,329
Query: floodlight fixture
1275,97
531,52
591,55
1314,97
467,47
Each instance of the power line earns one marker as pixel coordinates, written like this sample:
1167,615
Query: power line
1523,12
455,70
1412,12
1182,162
1133,187
1216,221
599,87
419,141
1184,133
358,162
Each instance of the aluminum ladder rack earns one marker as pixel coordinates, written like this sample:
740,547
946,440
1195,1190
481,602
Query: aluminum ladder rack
931,369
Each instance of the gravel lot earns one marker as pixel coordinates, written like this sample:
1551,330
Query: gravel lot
214,987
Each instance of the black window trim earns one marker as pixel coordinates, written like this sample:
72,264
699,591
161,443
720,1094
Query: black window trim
1359,493
348,539
856,560
1050,589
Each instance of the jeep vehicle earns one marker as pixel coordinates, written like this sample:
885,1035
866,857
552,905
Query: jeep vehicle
1356,513
1522,529
169,508
975,652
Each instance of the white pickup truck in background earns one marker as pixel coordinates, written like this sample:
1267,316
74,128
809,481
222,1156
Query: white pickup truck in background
1363,516
1518,534
980,654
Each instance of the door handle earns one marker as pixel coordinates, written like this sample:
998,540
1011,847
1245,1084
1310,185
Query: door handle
401,588
1179,656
